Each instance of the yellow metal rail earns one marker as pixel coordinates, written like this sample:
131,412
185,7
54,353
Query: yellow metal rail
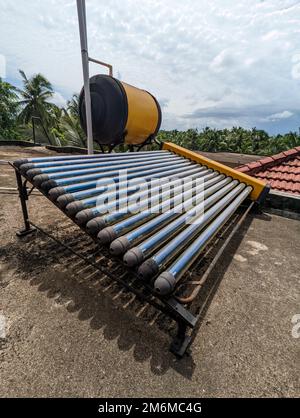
258,186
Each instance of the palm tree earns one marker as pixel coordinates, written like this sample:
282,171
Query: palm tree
70,123
72,131
36,92
73,106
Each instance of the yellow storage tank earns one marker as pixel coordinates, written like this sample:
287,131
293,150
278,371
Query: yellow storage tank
121,113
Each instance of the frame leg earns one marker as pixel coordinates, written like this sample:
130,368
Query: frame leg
181,342
23,197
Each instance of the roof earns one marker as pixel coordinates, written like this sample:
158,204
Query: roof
281,171
232,159
98,334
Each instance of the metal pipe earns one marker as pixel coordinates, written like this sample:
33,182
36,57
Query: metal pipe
84,185
138,254
66,198
110,233
85,68
19,162
109,66
57,172
168,280
156,263
114,197
46,183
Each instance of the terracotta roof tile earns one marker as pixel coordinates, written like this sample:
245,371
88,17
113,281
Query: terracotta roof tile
281,171
295,170
290,152
266,160
295,162
279,176
255,164
244,169
285,186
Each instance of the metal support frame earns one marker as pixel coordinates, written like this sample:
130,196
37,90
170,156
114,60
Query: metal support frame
170,306
181,342
148,141
37,118
23,195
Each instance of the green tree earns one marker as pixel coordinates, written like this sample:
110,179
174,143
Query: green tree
73,106
70,124
236,139
8,111
35,96
72,132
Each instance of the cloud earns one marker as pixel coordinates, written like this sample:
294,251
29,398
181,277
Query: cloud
296,67
253,112
281,115
227,62
58,99
163,102
223,61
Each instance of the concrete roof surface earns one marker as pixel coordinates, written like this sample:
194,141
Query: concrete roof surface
232,159
68,334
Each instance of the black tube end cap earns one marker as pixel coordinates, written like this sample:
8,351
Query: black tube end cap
31,172
133,257
165,283
95,225
148,269
107,235
119,246
73,208
84,216
39,179
47,185
65,199
55,193
26,167
18,163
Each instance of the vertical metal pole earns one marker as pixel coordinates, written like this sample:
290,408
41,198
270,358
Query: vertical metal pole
85,67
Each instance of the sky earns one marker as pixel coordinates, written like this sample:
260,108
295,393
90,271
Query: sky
217,63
